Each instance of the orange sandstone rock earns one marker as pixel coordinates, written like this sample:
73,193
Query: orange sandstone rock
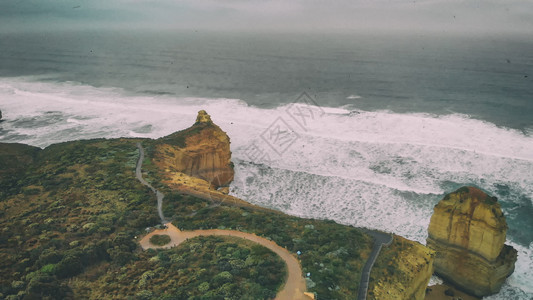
201,151
467,231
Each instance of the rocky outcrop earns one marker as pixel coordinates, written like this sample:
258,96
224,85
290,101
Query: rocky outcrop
402,271
467,231
0,115
201,151
197,162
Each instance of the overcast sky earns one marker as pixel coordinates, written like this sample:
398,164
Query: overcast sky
501,16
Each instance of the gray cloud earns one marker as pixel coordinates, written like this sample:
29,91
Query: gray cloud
298,15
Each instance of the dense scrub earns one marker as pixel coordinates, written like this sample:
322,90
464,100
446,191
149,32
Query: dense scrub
78,204
201,268
14,160
160,239
332,254
71,221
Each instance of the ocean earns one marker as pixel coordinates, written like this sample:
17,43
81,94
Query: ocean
369,130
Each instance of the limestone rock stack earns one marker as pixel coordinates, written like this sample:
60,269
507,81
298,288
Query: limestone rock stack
201,151
467,231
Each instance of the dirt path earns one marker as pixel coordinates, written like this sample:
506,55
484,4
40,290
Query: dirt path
294,287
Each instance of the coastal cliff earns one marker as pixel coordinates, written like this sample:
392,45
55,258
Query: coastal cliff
402,271
467,231
197,161
201,151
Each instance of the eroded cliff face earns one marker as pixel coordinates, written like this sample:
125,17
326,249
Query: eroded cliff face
402,271
467,231
201,151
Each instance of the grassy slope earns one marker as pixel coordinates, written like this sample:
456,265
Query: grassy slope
69,226
202,268
14,158
333,254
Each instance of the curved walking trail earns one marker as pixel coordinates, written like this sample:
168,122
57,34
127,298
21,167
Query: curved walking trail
157,193
294,287
380,239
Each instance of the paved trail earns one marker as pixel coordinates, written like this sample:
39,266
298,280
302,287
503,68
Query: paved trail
294,287
380,239
158,194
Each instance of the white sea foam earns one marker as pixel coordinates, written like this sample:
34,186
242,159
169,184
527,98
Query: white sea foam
374,169
434,280
353,97
518,285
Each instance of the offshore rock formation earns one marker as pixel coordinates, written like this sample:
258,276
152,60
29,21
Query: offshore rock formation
201,151
467,230
409,267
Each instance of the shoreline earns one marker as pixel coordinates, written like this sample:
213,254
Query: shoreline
440,291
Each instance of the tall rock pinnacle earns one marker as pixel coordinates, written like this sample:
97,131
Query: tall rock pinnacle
201,151
467,231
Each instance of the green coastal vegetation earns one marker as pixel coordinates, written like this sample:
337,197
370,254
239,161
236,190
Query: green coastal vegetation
201,268
160,239
333,255
72,214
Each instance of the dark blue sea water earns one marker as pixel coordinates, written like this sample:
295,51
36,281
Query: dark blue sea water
392,122
488,78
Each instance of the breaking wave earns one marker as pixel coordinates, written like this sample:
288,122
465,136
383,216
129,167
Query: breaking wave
377,169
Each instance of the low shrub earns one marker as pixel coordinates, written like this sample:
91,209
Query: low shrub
160,239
